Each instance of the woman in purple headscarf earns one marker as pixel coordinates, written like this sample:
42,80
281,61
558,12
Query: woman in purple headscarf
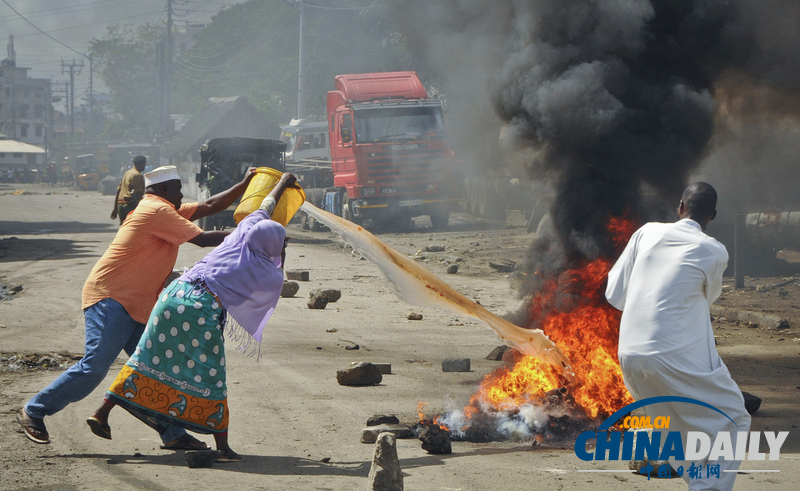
176,376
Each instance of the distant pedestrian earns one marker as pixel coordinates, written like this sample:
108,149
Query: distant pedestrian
130,191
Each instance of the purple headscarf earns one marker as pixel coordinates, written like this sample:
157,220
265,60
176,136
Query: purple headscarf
244,272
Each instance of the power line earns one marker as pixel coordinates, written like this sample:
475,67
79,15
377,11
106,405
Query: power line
37,28
81,25
66,9
321,7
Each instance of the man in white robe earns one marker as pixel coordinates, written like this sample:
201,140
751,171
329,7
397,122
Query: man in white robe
664,283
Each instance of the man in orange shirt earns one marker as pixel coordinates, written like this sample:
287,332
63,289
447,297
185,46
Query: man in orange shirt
123,288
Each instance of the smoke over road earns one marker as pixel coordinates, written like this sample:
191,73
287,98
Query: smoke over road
612,98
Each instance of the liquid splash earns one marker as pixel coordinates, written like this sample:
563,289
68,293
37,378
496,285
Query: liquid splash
416,285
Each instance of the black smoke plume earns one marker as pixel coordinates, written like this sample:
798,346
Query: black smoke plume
615,95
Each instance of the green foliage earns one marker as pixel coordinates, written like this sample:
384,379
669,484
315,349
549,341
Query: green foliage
251,49
248,49
125,59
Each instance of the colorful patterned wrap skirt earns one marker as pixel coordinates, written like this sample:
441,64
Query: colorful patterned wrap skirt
177,373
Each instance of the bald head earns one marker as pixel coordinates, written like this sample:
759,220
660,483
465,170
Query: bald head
699,202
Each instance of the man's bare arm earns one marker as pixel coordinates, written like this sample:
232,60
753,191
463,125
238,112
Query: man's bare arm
223,200
211,238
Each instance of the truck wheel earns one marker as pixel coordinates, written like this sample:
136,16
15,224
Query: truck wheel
440,219
315,197
347,212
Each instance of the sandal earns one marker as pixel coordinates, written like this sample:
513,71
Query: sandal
226,459
29,425
186,442
98,428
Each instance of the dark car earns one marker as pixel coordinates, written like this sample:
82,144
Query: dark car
223,162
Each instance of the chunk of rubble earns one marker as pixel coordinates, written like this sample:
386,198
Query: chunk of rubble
435,440
332,295
413,316
359,374
201,458
297,275
370,433
290,288
317,302
452,269
637,465
380,419
751,403
497,353
456,365
385,473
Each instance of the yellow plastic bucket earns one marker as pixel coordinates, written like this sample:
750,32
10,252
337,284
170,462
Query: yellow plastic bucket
258,189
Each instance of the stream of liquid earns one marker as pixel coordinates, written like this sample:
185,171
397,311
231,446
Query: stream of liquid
417,286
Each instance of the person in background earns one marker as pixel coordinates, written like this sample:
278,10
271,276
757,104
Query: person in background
131,190
664,283
177,374
123,288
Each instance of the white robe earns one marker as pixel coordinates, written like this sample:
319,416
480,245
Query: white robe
664,283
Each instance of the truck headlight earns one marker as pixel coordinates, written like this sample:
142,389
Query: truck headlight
367,191
388,191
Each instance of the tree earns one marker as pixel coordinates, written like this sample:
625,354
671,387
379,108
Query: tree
125,59
251,49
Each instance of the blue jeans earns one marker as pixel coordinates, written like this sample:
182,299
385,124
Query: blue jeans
109,330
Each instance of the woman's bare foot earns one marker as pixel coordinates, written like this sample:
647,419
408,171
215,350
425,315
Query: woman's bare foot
228,455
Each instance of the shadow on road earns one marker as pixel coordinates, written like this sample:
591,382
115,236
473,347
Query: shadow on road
15,249
41,228
252,464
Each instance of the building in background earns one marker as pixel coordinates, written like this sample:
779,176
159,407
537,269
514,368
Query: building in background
24,102
23,161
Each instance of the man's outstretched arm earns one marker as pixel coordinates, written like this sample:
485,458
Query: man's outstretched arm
223,200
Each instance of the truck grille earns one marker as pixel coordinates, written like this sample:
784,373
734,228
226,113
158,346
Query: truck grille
389,168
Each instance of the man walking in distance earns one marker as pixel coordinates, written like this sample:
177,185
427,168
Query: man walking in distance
664,283
131,190
123,288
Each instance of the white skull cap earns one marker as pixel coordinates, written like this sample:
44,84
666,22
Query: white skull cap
161,174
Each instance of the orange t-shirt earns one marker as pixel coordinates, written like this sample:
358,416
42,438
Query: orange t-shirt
141,257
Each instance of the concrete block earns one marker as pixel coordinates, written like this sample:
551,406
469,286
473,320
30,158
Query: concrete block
456,365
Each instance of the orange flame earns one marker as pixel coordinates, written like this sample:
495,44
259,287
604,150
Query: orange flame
571,309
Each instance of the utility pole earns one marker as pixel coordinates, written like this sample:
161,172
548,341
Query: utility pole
166,128
72,66
301,72
56,88
91,96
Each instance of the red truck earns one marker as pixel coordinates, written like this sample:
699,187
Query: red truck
390,158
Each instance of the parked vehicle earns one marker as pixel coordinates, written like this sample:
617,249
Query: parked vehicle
85,168
390,157
223,164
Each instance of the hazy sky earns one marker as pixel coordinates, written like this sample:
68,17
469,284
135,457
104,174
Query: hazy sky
76,22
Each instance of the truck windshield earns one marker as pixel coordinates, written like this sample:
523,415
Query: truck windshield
399,123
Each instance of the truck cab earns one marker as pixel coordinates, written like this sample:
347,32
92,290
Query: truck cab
389,149
306,141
